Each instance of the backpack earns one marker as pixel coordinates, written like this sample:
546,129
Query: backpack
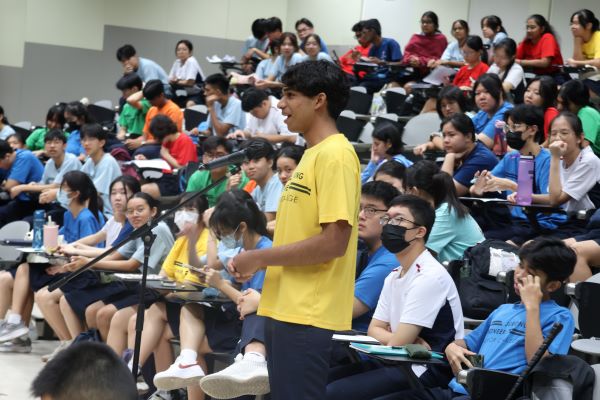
475,276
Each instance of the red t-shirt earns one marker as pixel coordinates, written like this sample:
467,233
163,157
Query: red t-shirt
467,77
549,115
182,149
347,62
545,47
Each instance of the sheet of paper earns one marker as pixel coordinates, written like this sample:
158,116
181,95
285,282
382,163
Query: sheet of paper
439,75
355,338
157,163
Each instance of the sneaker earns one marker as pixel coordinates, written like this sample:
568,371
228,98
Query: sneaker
13,331
178,375
141,385
61,346
161,395
243,377
18,345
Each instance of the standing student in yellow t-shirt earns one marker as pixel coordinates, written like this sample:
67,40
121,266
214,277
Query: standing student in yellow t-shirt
309,286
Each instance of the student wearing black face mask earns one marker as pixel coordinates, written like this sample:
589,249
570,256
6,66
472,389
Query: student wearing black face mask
524,133
419,303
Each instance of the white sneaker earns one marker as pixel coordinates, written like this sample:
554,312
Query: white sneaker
243,377
61,346
12,331
178,376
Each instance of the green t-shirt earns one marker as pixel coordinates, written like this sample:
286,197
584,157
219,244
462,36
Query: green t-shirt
132,119
201,179
590,119
35,140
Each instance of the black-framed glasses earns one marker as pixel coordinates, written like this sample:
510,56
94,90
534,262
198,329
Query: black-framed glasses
397,220
370,211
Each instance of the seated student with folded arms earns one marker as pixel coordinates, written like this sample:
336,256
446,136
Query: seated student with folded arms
100,166
238,223
419,303
133,115
56,167
525,133
464,154
215,147
17,167
177,149
155,94
265,119
511,335
225,111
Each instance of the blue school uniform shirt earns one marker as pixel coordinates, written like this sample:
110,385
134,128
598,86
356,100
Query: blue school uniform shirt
26,168
280,68
479,159
231,114
322,44
388,50
148,70
267,198
372,167
501,337
102,174
84,225
74,143
485,124
256,282
368,285
508,168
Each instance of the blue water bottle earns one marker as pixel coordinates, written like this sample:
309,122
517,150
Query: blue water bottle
39,217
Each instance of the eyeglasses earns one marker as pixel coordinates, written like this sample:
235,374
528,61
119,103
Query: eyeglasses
370,211
508,128
394,221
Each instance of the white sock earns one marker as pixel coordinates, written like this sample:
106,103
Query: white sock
14,319
254,356
188,356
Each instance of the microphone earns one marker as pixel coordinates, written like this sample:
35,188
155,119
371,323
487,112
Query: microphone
237,157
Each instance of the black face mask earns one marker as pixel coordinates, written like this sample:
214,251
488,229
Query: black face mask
392,238
514,140
73,126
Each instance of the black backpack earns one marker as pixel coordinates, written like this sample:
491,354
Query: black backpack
479,292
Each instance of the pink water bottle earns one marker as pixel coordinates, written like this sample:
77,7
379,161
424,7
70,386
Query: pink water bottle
525,180
499,147
50,236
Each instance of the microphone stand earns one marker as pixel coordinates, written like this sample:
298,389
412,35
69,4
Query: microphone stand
144,232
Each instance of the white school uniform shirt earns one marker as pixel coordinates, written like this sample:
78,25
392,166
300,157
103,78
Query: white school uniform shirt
579,179
515,76
272,124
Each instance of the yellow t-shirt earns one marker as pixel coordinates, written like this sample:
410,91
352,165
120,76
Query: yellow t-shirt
325,188
591,49
179,252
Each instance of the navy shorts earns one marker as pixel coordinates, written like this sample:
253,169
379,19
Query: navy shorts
80,299
130,296
253,330
38,278
173,308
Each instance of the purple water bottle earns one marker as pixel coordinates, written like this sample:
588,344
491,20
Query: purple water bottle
525,180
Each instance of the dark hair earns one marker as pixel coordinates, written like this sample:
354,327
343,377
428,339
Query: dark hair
292,151
451,93
5,148
494,22
78,110
151,201
574,92
314,36
510,48
219,81
394,169
273,24
434,18
585,17
85,370
530,115
379,190
551,256
292,37
304,21
252,98
548,90
572,119
82,183
389,132
129,81
125,52
153,89
372,25
462,23
313,77
129,182
57,113
474,42
212,142
234,207
259,28
54,134
18,136
422,212
425,175
200,203
357,27
274,44
162,126
462,123
94,131
187,43
542,23
4,119
491,83
259,148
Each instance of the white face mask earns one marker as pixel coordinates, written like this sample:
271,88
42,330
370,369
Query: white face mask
183,217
